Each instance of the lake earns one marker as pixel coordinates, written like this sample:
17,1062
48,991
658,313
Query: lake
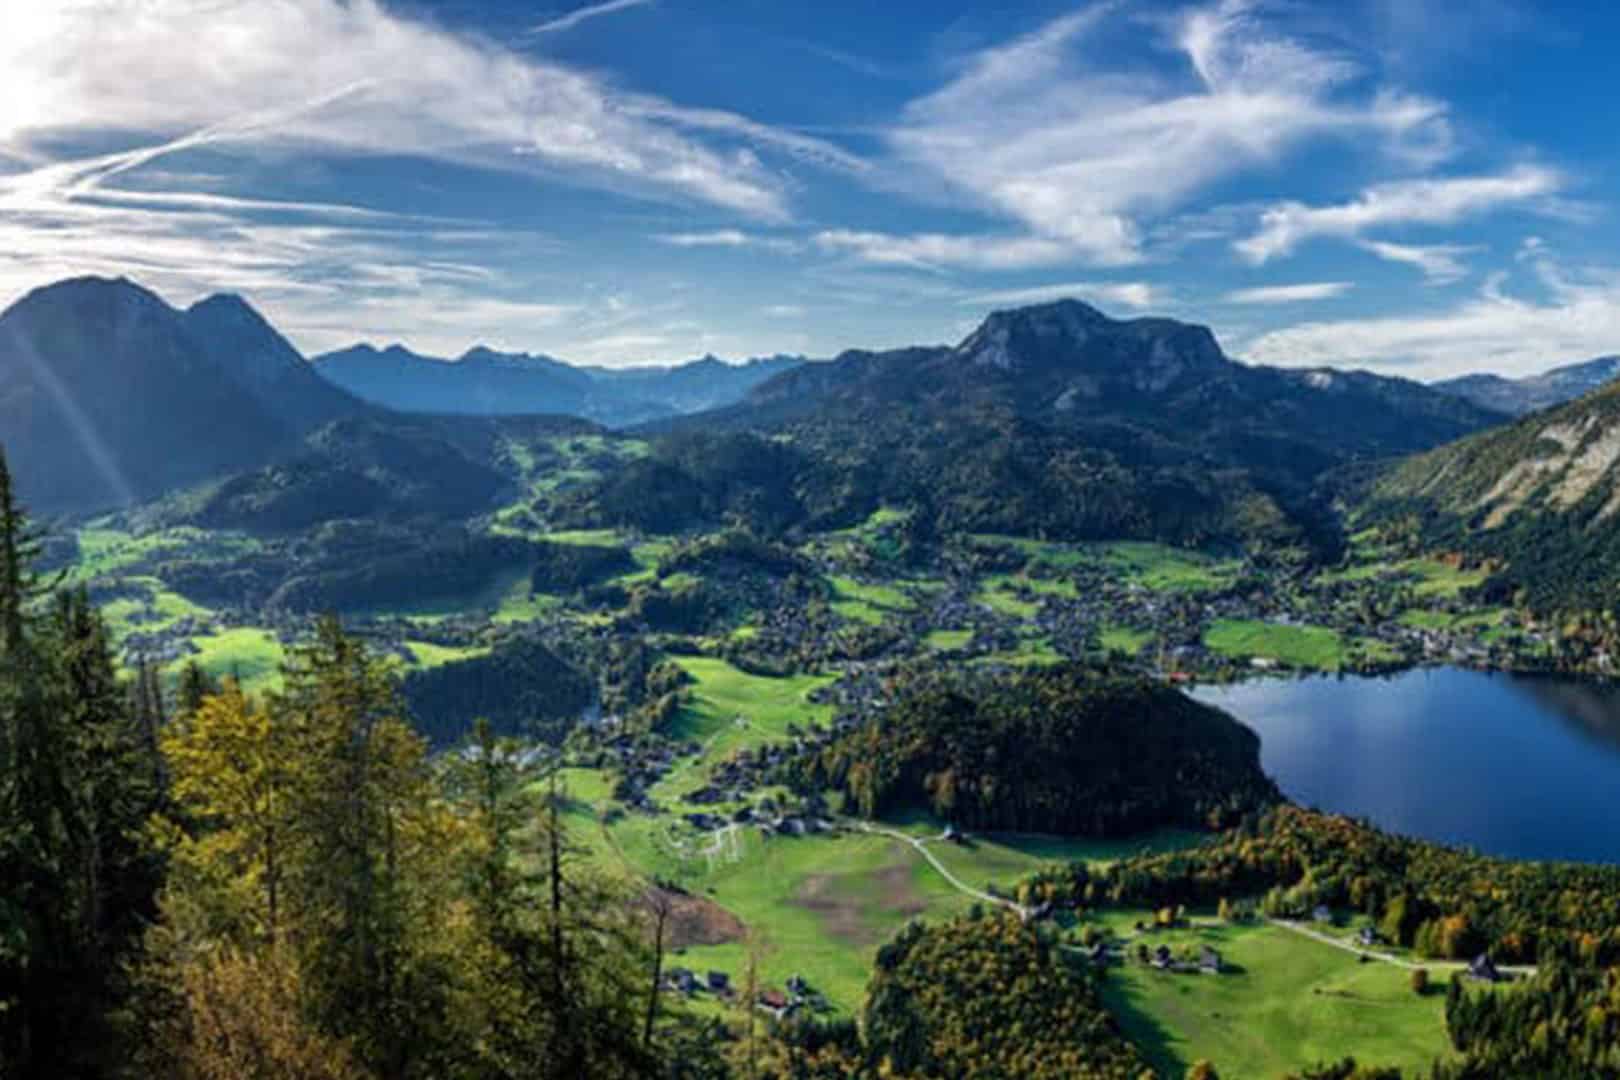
1525,767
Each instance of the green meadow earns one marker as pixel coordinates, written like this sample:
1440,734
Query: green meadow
1284,1003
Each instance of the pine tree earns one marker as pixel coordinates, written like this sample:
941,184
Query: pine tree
195,685
360,774
74,798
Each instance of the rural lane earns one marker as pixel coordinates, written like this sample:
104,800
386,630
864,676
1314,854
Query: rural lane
955,882
1410,965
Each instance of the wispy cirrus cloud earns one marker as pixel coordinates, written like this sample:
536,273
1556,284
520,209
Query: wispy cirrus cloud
1425,201
1441,264
1045,134
353,77
268,86
585,14
1289,294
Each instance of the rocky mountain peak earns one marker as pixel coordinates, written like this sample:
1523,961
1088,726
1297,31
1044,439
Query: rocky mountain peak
1075,339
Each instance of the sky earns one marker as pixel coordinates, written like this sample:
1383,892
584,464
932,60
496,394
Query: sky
1417,187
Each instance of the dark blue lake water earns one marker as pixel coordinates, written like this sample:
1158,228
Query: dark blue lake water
1514,766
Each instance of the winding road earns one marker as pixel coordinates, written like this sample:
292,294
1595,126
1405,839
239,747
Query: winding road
1521,970
955,882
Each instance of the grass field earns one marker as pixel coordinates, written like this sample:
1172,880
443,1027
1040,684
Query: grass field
820,907
1053,554
948,639
1039,586
723,693
1437,579
870,593
104,550
1005,603
1434,579
517,602
1005,859
1298,646
1125,639
1035,650
253,656
160,609
1288,1002
1160,567
430,655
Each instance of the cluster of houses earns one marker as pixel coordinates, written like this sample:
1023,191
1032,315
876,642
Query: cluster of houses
168,643
1208,961
686,981
642,761
778,1004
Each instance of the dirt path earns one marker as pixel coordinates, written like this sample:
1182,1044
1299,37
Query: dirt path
955,882
1522,970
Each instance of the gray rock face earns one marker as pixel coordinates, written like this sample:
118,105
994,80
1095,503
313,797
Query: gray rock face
1096,353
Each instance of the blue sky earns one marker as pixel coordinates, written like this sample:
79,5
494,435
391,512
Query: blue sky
1424,188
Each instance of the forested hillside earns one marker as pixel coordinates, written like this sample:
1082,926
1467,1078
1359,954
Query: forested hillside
989,995
1537,498
1058,421
1061,750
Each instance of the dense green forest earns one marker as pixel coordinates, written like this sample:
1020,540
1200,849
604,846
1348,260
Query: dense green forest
988,995
1060,750
983,470
1563,1025
521,687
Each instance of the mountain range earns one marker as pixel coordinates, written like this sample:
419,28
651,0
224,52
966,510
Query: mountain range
109,395
1516,397
1067,366
1051,418
483,382
1048,420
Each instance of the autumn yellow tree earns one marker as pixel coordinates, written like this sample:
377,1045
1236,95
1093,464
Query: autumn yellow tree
232,768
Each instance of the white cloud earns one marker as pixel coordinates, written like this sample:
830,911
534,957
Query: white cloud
1403,202
1289,294
716,238
936,250
1037,133
1132,294
1492,331
265,89
592,11
1440,263
726,238
352,77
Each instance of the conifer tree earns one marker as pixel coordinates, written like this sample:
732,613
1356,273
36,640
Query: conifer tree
74,798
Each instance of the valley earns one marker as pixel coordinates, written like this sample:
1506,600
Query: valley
676,778
840,658
642,540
